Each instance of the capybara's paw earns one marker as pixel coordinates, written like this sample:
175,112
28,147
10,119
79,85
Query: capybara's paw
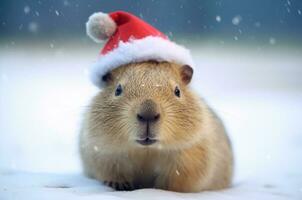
120,186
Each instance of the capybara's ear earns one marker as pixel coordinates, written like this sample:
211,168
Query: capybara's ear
186,73
107,78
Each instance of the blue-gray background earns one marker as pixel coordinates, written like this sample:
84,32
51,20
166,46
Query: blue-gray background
259,19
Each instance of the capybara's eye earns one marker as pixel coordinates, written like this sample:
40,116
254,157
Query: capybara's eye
118,90
177,92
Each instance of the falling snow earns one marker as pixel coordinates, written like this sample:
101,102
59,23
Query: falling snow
177,172
272,41
288,10
66,3
236,20
33,27
299,12
218,18
26,9
288,2
57,12
95,148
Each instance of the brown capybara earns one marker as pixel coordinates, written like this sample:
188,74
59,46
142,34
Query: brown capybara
148,129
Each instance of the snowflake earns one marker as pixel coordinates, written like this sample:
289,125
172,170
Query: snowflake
26,9
95,148
288,2
66,3
288,10
272,41
33,27
236,20
218,18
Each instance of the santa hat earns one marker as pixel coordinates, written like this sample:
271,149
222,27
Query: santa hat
129,40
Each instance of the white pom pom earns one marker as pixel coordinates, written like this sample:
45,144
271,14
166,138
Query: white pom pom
100,26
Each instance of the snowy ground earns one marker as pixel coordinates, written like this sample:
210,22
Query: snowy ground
44,89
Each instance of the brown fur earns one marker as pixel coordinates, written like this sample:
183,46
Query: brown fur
192,154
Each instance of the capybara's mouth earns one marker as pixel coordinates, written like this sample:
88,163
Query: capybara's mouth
146,141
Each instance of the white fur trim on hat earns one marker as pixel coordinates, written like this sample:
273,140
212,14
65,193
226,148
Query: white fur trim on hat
148,48
100,26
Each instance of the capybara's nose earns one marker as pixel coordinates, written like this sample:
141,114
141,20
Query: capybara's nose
148,112
148,117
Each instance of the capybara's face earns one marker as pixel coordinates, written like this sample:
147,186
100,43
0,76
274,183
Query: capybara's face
147,105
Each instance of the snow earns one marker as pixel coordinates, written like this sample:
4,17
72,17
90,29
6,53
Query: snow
66,3
272,41
289,3
26,9
218,18
96,148
45,90
288,10
33,27
74,186
236,20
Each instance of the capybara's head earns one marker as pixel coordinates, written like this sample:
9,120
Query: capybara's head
147,104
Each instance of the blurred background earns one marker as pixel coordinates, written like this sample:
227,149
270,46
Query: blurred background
249,68
223,20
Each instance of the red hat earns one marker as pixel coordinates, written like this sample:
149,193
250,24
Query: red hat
129,40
